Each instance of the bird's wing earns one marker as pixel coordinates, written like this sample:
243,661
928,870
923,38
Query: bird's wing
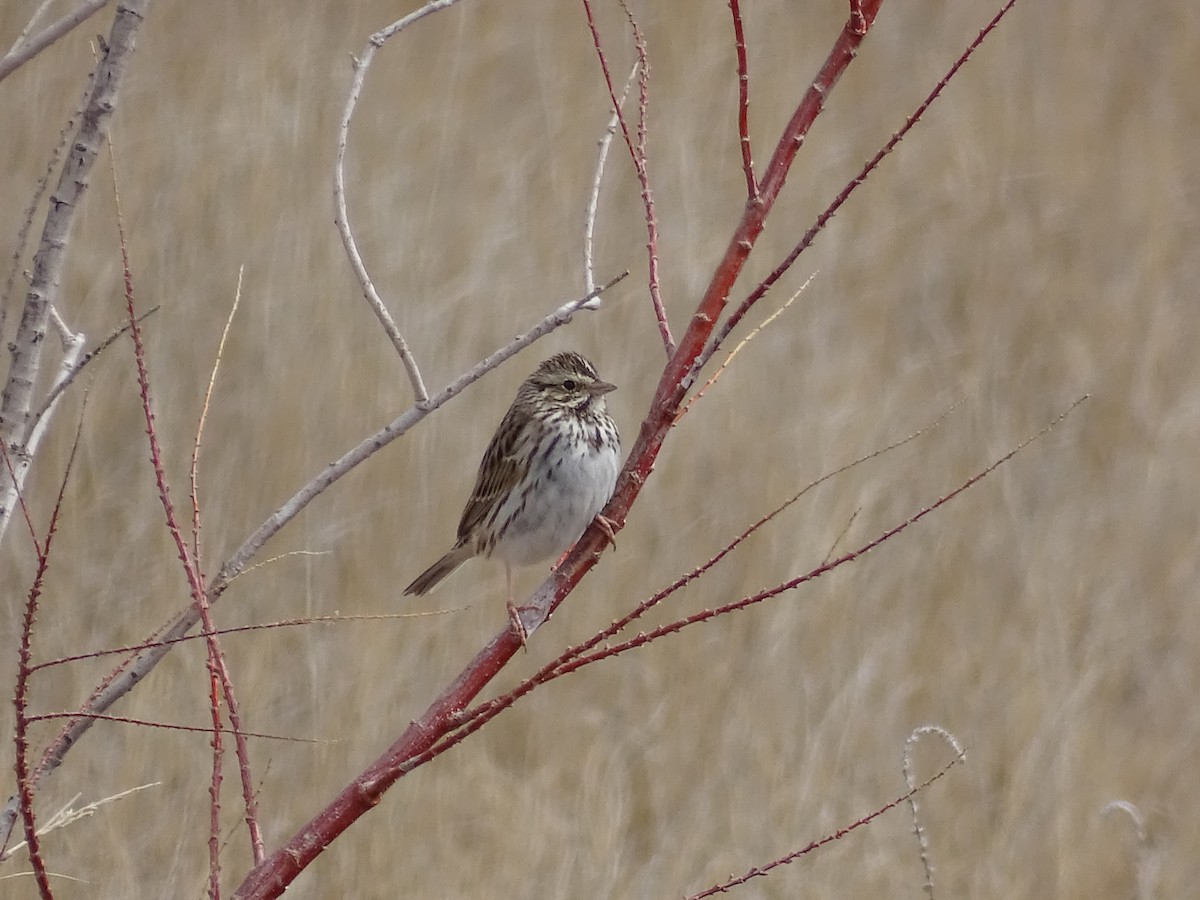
499,473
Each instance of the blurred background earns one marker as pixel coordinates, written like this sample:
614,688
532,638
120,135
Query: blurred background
1031,241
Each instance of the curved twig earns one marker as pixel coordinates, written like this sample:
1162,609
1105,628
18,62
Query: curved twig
342,219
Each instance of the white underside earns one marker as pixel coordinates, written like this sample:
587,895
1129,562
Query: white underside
558,511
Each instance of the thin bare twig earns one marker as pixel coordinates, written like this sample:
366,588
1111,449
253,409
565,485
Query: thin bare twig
65,380
25,50
193,472
589,228
31,24
31,210
906,761
171,726
240,629
342,218
67,814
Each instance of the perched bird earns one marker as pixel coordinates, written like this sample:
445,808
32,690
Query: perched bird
550,468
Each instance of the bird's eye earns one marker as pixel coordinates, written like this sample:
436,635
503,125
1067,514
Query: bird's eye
570,385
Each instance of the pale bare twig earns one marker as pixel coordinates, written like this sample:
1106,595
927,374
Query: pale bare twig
26,48
68,367
909,779
589,228
1146,859
193,474
31,24
837,541
277,558
342,219
48,262
68,377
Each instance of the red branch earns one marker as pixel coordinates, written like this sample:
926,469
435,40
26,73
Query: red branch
271,878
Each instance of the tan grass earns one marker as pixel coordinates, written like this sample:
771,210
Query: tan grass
1035,239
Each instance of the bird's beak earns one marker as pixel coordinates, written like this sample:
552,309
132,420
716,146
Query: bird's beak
600,388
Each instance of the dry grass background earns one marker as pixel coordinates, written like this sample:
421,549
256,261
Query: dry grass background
1033,240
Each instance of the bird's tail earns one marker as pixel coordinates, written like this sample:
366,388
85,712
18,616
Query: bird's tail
432,577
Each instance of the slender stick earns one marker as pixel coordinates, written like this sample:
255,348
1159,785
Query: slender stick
342,217
743,70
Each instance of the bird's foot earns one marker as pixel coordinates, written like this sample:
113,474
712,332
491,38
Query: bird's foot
607,525
518,627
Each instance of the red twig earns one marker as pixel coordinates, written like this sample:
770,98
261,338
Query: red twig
168,726
743,70
25,783
762,871
823,219
239,629
637,152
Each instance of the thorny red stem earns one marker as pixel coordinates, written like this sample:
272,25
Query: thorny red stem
25,780
221,684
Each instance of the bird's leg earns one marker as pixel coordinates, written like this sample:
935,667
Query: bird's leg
514,614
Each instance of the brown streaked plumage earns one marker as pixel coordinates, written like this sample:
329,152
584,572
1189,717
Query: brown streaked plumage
549,469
